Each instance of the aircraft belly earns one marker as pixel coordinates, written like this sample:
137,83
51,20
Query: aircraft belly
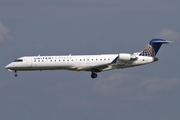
46,68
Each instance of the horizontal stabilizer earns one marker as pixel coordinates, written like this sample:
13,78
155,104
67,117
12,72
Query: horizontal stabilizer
163,42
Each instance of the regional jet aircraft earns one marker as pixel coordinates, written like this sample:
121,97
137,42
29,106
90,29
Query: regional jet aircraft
90,63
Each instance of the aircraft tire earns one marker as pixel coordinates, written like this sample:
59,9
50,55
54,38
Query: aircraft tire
15,75
94,75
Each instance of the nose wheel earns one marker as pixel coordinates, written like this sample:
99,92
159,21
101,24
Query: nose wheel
15,75
93,75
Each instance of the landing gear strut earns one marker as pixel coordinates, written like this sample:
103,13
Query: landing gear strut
93,75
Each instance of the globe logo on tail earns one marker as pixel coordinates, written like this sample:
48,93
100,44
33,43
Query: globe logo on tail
148,51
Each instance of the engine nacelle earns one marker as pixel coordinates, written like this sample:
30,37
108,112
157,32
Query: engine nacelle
126,57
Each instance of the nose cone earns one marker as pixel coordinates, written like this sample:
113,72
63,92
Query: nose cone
155,59
9,66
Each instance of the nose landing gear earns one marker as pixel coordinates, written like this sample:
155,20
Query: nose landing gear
93,75
15,73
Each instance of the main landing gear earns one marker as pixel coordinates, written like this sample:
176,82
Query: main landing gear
94,75
15,73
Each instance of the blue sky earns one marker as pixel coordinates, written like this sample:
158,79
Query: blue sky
54,27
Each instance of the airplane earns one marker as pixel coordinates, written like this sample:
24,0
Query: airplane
90,63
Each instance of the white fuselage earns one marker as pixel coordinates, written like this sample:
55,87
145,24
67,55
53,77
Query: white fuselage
75,62
92,63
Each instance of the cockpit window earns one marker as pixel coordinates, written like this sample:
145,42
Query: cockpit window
18,60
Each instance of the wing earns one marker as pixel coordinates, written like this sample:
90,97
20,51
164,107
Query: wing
95,68
98,68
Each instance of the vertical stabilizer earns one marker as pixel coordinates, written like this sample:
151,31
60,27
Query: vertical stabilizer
153,47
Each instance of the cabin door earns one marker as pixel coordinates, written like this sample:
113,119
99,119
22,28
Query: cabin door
29,61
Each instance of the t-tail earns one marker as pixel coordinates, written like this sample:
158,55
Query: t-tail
153,47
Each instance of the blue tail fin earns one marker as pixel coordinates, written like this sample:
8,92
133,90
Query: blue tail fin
153,47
